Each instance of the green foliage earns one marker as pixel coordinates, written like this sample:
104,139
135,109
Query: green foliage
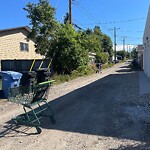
67,47
102,57
60,78
91,42
85,70
134,53
121,53
44,25
107,45
97,31
127,55
96,41
109,65
124,54
81,71
69,53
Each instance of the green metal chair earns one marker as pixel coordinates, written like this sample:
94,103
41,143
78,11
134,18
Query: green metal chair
32,103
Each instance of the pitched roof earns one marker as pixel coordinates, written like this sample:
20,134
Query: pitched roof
23,27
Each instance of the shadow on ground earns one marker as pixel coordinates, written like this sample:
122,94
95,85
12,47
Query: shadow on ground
126,68
134,147
97,109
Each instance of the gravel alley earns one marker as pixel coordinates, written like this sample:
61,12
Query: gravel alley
98,112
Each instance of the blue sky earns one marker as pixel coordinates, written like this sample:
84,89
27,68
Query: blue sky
128,15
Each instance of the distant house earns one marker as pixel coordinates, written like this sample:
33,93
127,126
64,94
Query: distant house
146,44
15,45
92,58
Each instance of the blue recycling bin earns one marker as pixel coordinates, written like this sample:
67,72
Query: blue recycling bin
10,79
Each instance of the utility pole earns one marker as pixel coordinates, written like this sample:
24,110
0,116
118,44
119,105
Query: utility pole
115,43
128,46
70,12
130,51
124,38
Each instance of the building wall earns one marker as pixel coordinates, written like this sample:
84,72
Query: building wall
10,45
146,44
140,55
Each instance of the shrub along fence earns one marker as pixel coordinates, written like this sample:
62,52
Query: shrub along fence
23,65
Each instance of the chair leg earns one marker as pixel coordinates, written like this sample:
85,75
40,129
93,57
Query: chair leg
36,116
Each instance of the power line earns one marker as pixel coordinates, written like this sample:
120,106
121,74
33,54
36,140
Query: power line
86,13
89,16
95,21
78,22
79,1
132,31
114,22
57,4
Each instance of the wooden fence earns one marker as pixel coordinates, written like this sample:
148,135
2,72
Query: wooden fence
23,65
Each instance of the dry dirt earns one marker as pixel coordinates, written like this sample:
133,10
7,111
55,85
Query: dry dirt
99,112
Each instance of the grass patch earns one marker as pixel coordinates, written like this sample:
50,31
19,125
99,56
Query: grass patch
121,61
109,65
81,71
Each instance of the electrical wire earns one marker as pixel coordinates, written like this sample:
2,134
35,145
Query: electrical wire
78,22
94,20
114,22
58,1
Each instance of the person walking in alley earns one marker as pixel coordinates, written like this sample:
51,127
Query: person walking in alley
99,67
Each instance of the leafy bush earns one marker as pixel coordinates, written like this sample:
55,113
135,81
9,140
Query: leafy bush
102,57
81,71
109,65
60,78
67,52
85,70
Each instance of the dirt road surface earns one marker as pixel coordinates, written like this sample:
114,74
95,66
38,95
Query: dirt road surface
99,112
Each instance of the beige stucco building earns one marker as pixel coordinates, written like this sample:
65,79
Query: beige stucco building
14,44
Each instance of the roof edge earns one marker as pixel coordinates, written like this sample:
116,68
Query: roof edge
22,27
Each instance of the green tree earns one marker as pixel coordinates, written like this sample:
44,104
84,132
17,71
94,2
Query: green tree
107,45
102,57
127,54
92,41
134,53
97,31
44,25
122,53
68,50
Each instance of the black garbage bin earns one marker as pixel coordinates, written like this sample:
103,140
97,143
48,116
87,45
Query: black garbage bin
28,80
43,74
